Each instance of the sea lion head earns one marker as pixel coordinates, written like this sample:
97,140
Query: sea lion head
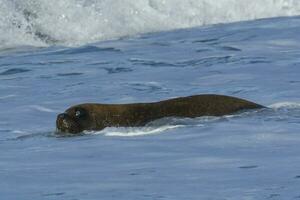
77,119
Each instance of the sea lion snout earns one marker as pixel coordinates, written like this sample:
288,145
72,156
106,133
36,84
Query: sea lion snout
65,123
62,116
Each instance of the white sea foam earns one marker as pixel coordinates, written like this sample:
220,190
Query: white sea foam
156,127
77,22
134,131
285,105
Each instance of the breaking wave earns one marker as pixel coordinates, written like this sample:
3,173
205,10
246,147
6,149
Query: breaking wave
78,22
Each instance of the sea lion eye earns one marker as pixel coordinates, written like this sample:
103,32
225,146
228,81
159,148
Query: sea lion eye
79,113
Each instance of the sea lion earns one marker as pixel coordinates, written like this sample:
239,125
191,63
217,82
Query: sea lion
92,116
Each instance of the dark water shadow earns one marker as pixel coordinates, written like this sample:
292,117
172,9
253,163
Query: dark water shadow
70,74
230,48
14,71
53,194
208,40
90,49
117,70
249,167
151,63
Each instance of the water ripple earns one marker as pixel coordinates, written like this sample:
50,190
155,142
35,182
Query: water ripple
229,48
208,61
211,40
89,49
149,87
117,70
152,63
14,71
70,74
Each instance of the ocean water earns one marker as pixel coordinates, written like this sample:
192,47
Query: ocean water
53,56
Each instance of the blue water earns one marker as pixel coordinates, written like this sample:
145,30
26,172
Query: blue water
254,155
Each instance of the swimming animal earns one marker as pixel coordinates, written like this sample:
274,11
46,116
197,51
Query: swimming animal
94,116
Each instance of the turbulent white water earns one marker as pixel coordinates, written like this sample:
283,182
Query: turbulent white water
77,22
249,155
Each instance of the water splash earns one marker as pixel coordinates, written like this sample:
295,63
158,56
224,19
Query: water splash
77,22
286,105
136,131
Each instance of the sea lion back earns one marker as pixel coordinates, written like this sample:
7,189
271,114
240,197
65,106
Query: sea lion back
206,105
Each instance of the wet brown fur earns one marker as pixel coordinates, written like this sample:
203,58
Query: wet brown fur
99,116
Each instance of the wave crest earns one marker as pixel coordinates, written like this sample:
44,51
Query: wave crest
77,22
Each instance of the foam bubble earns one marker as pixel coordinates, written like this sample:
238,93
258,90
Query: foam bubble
77,22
